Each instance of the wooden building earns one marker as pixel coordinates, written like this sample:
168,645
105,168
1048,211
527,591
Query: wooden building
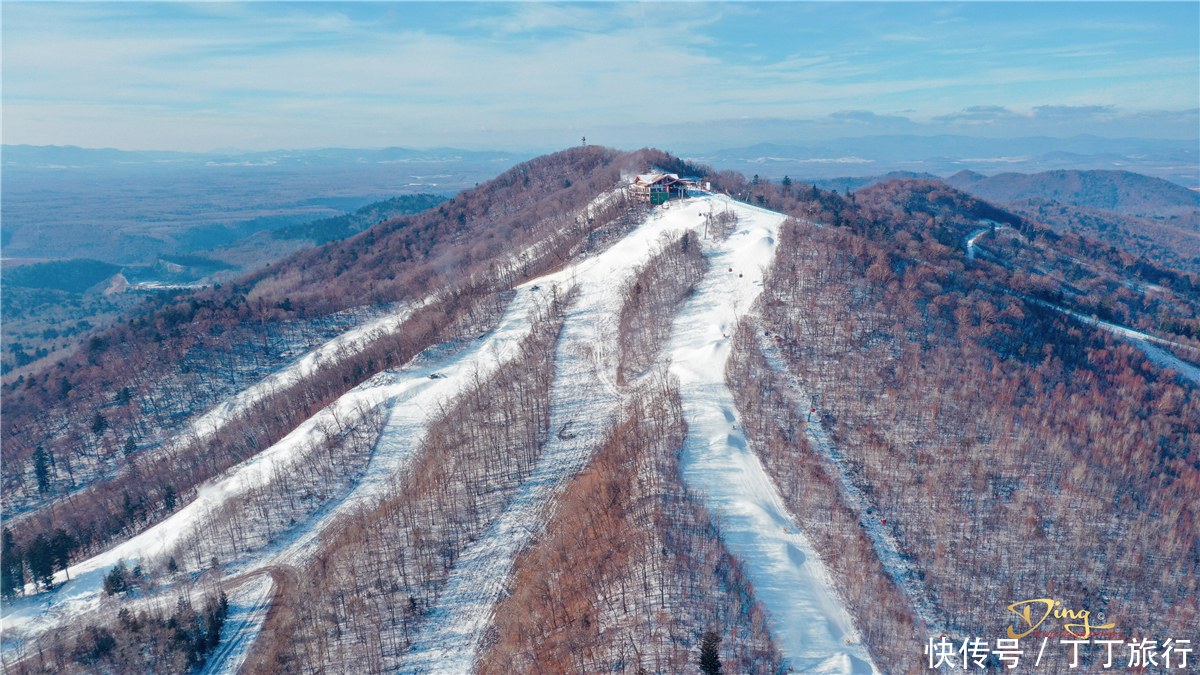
656,188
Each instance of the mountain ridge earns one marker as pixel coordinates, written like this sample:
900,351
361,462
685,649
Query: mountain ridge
929,333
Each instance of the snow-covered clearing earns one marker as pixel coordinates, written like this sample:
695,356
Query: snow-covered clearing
339,348
1149,344
247,609
814,630
972,238
413,397
1144,341
583,397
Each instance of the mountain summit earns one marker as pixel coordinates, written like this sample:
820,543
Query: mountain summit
553,426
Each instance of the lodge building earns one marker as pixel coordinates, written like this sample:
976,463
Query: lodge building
657,188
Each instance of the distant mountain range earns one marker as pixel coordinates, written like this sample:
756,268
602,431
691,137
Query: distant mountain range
1120,191
71,156
1173,160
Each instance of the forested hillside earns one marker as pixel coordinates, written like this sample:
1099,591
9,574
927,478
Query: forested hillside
101,411
547,428
1119,191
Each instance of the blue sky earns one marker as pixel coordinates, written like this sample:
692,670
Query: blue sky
537,76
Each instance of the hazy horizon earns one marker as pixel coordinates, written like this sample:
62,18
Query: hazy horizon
539,76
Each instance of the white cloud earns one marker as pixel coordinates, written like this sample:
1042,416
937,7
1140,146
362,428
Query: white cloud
188,74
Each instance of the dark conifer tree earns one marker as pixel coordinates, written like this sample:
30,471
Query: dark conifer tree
12,566
710,656
41,561
41,469
62,547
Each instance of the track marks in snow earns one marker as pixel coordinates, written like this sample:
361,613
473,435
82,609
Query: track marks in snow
809,621
583,397
247,609
414,398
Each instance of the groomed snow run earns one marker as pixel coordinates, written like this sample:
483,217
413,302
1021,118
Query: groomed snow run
809,621
813,629
413,398
1151,345
335,350
247,609
582,399
902,570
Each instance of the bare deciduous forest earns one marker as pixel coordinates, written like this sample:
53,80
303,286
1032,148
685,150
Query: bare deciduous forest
651,299
356,606
631,570
525,223
1006,447
987,427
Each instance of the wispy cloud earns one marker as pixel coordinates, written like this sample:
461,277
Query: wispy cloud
197,76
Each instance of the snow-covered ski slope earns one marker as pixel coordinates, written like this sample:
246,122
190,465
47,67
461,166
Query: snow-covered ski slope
582,398
413,397
814,630
898,566
812,627
339,348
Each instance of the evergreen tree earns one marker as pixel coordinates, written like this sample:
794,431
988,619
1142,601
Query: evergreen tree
710,656
12,566
114,582
41,469
62,547
130,446
99,424
41,561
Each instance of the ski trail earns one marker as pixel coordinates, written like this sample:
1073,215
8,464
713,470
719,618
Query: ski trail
247,609
414,398
1149,344
463,611
414,402
339,348
583,397
900,568
972,238
813,629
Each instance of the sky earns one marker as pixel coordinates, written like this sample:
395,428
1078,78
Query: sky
538,76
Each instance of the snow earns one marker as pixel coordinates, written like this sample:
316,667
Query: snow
413,397
1149,344
1143,341
974,237
247,610
583,397
343,346
887,547
813,629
